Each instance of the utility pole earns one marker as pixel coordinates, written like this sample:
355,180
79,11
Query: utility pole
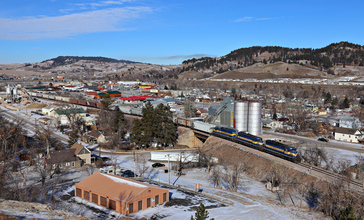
169,173
359,166
301,196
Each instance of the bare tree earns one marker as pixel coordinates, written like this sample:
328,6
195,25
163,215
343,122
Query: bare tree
141,164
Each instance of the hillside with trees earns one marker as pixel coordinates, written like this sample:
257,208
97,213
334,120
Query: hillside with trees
341,54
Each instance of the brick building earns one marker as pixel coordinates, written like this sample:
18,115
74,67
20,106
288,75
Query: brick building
121,194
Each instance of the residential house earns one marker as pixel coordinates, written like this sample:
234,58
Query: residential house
121,194
63,159
321,112
347,134
350,122
82,152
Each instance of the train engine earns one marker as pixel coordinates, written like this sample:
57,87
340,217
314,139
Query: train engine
282,150
250,140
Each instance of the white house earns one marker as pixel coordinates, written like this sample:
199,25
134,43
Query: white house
349,122
347,134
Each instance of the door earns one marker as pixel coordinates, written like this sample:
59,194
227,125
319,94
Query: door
131,208
148,203
156,200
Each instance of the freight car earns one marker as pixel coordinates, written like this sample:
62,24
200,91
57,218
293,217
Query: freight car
82,102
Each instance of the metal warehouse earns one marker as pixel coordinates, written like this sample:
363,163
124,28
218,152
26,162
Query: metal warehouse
121,194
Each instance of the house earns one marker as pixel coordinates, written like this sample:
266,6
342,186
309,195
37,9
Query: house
273,124
121,194
63,159
349,122
61,115
321,112
82,152
347,134
47,110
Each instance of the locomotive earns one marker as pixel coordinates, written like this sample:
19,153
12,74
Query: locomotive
270,146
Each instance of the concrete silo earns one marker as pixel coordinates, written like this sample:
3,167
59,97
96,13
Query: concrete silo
241,116
255,118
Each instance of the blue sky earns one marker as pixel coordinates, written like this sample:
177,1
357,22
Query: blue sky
168,32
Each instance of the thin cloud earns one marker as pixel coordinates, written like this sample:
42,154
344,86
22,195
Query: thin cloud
101,3
69,25
246,19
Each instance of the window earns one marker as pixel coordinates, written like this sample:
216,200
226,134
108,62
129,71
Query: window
60,165
73,164
140,205
53,166
68,164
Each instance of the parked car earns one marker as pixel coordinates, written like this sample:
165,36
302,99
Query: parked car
323,139
128,173
158,165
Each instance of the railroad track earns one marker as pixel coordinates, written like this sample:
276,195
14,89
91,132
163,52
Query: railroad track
330,174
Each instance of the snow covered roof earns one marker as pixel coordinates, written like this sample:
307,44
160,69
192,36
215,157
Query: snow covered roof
115,187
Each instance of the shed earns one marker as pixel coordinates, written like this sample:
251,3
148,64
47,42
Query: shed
121,194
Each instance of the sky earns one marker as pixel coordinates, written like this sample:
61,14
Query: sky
169,31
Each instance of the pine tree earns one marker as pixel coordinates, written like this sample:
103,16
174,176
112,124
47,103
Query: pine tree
106,102
201,213
346,103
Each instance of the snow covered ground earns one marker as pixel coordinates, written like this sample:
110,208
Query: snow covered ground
252,201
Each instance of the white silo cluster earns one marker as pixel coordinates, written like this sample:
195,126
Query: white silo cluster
241,115
11,92
248,117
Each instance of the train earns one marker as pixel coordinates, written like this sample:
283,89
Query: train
269,146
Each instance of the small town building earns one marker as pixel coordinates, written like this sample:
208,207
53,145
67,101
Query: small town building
321,112
82,152
121,194
63,159
347,134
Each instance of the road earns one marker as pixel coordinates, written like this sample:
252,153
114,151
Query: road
30,125
314,142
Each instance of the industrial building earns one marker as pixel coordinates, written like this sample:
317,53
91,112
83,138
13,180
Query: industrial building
121,194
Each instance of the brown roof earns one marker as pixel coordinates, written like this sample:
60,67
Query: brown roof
62,156
345,130
78,147
116,187
94,133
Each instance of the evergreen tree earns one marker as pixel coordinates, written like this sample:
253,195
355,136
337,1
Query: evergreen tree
346,214
275,116
201,213
106,102
346,103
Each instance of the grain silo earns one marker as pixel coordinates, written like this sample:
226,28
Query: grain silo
241,116
255,118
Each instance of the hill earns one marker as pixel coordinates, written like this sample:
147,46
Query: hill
314,62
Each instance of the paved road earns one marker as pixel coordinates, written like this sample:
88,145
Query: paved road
29,125
314,142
